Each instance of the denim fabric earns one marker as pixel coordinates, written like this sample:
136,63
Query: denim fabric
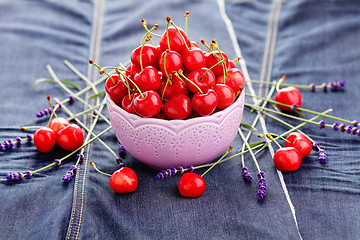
309,41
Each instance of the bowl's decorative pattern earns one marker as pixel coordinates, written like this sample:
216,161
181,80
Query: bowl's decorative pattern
164,144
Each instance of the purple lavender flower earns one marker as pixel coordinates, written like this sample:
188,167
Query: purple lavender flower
173,171
335,126
57,162
2,148
294,107
121,150
342,127
325,87
322,156
71,99
13,176
262,186
313,87
246,174
28,174
29,137
348,129
322,124
356,123
80,157
69,174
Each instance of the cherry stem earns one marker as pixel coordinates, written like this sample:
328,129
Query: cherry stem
164,62
99,171
186,20
182,74
167,33
220,62
182,37
96,65
205,44
155,27
53,112
218,161
139,90
166,84
282,79
214,43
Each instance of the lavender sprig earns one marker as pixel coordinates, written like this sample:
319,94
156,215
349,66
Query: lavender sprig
246,174
173,171
9,144
262,186
70,174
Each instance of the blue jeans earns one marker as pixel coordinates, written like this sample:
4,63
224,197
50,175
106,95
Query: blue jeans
308,41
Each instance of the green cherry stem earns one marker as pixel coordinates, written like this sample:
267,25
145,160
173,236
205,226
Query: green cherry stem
186,20
96,65
214,44
220,62
182,74
98,170
178,30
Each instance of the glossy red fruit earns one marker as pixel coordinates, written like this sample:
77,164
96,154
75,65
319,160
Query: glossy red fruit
132,70
194,58
288,95
44,139
56,124
191,185
176,42
300,142
287,159
211,60
178,107
173,62
204,103
124,180
230,64
197,77
148,79
70,138
128,102
234,79
149,56
173,87
148,106
116,91
226,95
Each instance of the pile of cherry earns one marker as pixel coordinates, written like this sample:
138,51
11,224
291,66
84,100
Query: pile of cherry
175,79
68,136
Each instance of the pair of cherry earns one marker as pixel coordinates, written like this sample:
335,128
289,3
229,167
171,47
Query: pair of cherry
67,135
288,158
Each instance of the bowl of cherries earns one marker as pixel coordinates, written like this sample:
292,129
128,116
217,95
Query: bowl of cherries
175,104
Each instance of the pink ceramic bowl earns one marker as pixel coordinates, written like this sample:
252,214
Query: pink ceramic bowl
163,144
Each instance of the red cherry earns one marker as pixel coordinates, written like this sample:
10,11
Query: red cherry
124,180
234,79
149,56
148,79
132,70
300,142
230,65
178,107
211,60
204,82
70,138
288,95
204,103
176,42
226,96
191,185
127,103
56,124
149,105
44,139
116,91
173,62
193,59
287,159
175,86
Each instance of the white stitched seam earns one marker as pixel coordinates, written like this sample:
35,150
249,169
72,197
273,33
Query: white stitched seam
243,66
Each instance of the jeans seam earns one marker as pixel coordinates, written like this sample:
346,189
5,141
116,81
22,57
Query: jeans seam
94,53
